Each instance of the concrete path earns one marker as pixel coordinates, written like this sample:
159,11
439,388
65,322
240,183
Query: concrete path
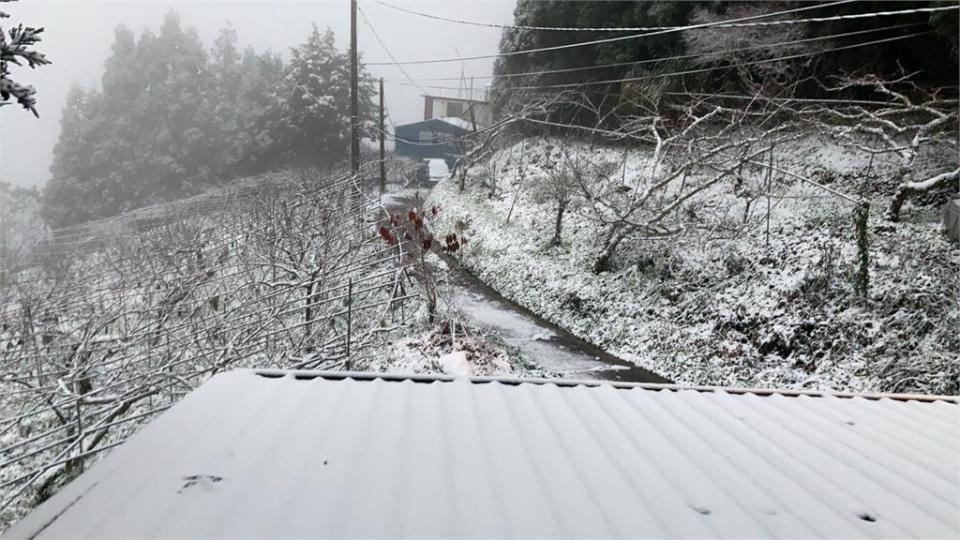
540,341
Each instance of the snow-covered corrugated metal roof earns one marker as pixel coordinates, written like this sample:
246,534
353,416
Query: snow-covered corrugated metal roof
279,455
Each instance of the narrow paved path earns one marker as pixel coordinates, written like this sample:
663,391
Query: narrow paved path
539,341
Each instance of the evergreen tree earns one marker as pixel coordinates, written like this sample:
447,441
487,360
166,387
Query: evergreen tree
316,94
16,49
583,14
245,105
67,196
259,106
172,117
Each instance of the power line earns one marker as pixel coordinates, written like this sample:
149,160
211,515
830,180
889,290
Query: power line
632,28
714,68
677,57
551,28
613,39
366,21
782,100
683,28
694,71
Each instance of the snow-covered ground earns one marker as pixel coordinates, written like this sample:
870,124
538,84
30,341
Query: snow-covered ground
131,317
716,305
470,353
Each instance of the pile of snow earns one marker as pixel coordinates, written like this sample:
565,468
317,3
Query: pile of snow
717,305
436,352
456,363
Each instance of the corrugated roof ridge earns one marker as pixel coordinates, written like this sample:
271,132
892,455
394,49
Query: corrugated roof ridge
896,445
733,428
880,470
700,455
602,420
885,459
430,378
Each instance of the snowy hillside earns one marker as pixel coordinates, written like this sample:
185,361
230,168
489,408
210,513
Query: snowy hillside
108,324
716,305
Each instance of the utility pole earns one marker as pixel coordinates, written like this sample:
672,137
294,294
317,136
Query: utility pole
354,103
383,165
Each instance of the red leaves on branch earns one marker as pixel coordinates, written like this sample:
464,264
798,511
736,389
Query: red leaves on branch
387,235
452,243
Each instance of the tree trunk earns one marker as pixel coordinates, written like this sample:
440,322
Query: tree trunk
616,235
907,189
561,207
308,315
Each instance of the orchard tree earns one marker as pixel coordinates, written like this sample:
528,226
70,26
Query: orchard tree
910,121
559,185
16,49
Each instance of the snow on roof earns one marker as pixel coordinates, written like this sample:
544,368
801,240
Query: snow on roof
301,454
455,121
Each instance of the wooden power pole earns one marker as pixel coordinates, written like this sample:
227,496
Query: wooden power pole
354,100
383,165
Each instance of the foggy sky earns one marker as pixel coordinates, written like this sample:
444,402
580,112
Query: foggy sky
78,36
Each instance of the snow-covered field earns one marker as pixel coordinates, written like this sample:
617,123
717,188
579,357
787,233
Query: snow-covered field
716,305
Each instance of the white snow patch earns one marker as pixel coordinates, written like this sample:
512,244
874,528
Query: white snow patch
438,169
456,363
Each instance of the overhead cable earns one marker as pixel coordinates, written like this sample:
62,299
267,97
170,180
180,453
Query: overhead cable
679,29
708,69
677,57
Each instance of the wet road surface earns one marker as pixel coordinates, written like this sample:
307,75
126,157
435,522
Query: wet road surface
539,341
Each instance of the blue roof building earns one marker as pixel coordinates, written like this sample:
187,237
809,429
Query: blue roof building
431,139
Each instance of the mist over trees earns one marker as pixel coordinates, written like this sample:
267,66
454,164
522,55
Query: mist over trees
172,117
